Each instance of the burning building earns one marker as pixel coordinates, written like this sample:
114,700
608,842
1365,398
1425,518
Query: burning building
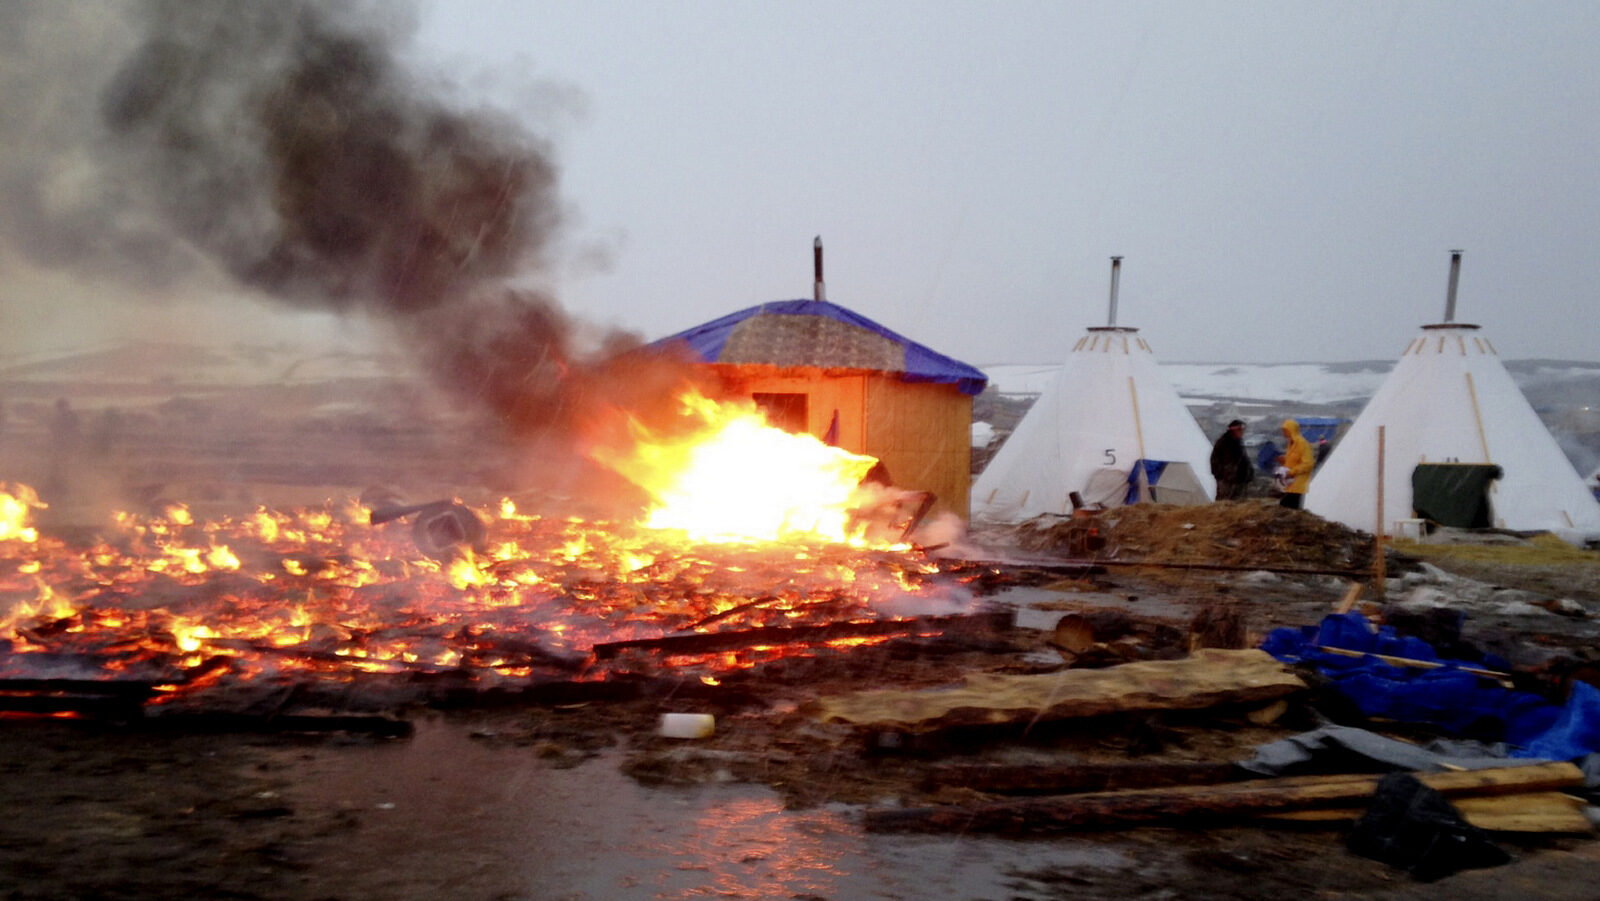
820,369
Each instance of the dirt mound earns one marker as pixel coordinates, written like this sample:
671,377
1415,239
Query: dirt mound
1246,534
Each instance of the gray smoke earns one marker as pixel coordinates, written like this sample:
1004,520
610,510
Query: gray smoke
286,145
291,147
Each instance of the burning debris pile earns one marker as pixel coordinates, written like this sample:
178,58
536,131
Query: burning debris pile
707,581
321,594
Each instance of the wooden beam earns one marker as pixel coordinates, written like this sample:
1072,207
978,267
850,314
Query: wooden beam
1205,804
709,642
1542,812
1030,779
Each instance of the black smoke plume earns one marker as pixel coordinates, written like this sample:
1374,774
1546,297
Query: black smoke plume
293,148
288,145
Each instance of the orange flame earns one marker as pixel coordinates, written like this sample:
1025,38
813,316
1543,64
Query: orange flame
16,504
730,477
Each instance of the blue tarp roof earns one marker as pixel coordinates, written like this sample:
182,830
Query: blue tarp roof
894,352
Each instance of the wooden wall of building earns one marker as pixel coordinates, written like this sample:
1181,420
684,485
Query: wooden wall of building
921,431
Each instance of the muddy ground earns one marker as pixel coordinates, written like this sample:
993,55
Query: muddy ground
583,800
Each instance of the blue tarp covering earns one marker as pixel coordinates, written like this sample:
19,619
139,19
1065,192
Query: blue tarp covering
921,363
1448,696
1318,428
1152,476
1267,457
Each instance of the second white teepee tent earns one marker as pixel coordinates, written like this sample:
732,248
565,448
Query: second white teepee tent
1108,407
1449,399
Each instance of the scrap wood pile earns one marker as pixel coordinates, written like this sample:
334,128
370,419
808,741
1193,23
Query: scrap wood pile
1405,808
1242,534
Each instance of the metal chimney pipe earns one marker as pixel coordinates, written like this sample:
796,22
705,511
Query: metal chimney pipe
1116,272
818,292
1455,278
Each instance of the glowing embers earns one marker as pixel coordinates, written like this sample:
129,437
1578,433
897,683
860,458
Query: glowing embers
321,593
722,474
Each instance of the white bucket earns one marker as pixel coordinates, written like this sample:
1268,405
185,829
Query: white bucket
687,725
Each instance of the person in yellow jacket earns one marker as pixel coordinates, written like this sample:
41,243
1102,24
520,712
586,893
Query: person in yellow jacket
1299,461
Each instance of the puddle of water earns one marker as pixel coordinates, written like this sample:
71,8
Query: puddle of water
444,815
1030,615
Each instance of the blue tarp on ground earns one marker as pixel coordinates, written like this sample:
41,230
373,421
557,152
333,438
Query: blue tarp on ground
921,363
1448,696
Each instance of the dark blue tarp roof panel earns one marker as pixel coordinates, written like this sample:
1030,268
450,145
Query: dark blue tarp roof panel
709,341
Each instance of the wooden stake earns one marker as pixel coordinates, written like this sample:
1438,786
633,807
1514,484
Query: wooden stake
1351,595
1477,417
1138,425
1418,664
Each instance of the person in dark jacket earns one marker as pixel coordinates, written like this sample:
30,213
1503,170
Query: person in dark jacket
1230,464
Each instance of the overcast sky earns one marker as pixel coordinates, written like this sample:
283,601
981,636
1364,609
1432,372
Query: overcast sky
1284,180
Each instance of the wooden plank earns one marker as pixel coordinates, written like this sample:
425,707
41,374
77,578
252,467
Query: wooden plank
1027,779
1208,678
1417,664
137,689
1541,812
709,642
1206,804
1351,595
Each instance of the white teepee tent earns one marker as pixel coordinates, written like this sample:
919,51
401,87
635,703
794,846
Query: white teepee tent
1449,399
1108,407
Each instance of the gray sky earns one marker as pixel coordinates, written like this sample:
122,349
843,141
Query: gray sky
1283,179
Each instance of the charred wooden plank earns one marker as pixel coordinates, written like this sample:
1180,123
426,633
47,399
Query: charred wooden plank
217,722
512,652
709,642
115,688
1205,804
92,698
100,707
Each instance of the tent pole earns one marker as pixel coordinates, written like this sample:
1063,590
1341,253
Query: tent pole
1138,426
1377,551
1477,417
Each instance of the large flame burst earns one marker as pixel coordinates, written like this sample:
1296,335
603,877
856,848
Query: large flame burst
725,475
170,596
